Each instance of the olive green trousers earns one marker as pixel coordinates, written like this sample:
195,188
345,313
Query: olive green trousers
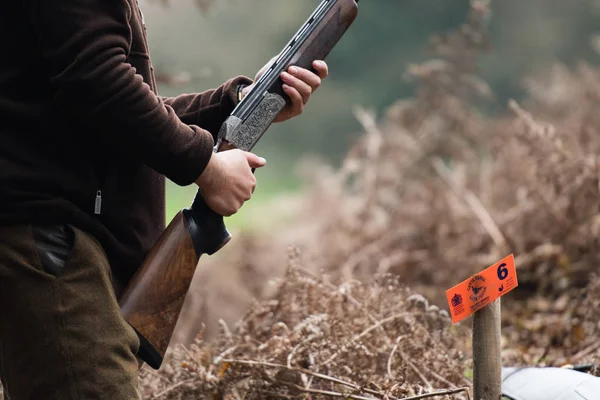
61,333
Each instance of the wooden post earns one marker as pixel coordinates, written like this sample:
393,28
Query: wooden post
487,364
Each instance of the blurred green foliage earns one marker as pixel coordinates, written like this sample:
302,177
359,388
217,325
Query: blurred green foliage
239,36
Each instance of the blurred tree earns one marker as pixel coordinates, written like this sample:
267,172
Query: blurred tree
197,49
368,64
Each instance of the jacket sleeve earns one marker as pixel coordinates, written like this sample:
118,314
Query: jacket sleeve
85,44
210,108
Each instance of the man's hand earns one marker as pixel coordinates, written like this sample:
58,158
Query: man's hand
227,181
298,84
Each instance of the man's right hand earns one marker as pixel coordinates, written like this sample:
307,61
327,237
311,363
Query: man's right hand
227,181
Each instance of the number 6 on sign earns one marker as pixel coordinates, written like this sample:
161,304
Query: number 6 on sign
502,271
481,289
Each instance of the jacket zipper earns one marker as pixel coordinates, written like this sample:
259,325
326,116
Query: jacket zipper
101,175
98,203
100,169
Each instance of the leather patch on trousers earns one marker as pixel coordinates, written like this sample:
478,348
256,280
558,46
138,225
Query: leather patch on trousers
53,244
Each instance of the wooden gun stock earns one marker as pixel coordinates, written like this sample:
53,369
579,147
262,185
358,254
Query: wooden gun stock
153,299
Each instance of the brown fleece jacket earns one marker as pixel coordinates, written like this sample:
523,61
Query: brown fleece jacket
80,118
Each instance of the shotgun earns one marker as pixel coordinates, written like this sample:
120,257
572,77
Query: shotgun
153,299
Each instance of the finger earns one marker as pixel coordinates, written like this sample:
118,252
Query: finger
225,145
255,161
236,203
234,208
302,87
226,210
297,102
321,68
248,195
312,79
244,194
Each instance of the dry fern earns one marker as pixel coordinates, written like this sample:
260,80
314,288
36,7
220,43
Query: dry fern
312,337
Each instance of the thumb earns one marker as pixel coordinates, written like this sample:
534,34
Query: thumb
255,161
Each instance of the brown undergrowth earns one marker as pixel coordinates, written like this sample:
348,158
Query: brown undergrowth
314,339
437,191
433,192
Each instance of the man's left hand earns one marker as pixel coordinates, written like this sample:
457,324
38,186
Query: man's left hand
299,84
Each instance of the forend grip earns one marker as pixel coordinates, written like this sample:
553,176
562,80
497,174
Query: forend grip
206,227
322,40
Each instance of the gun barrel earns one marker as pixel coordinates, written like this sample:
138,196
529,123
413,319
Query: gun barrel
313,41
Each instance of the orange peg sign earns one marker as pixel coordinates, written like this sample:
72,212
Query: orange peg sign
482,288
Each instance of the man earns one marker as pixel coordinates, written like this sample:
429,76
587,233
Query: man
85,143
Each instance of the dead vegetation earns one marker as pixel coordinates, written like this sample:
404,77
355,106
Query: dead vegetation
353,340
432,193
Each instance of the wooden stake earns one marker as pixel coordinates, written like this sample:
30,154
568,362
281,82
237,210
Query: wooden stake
487,365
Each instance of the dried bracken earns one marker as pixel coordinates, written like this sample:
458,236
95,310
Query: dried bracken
355,340
437,191
437,188
429,195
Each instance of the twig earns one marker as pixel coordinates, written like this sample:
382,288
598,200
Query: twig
154,373
438,393
416,370
374,247
281,395
182,346
333,287
347,294
373,149
586,351
442,379
237,394
473,201
543,356
351,396
390,358
296,347
170,388
537,130
431,372
315,374
225,353
225,328
466,381
291,354
326,392
368,330
342,382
